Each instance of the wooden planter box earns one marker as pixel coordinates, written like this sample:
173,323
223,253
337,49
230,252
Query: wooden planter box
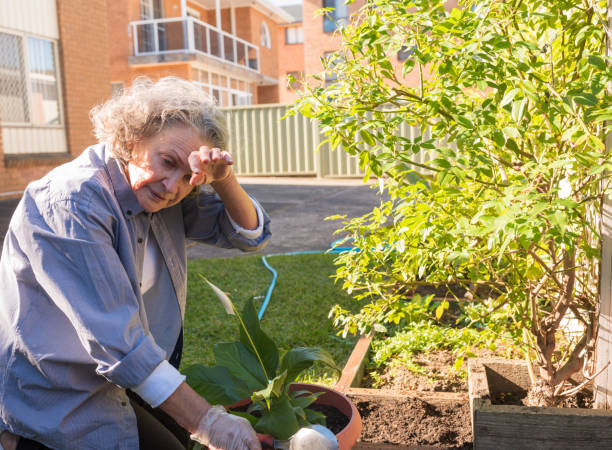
350,381
520,427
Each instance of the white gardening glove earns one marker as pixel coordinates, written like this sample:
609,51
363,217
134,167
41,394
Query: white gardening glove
220,430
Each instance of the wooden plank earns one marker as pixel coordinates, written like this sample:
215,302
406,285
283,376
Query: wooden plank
603,350
516,427
353,369
513,427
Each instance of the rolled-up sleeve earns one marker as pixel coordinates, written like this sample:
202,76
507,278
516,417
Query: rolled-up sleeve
72,254
207,221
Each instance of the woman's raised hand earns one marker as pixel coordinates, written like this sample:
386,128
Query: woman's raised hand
209,165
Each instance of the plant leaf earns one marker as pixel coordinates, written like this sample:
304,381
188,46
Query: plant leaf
252,419
268,352
241,363
280,420
303,399
273,389
313,416
298,359
216,384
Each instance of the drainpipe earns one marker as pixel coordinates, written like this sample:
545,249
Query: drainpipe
183,8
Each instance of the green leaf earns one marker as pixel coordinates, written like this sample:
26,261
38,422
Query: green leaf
509,96
585,98
252,419
464,122
273,389
518,109
268,352
216,384
280,420
498,138
367,137
298,359
303,399
313,416
241,363
598,62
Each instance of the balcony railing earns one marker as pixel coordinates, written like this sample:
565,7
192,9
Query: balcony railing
187,34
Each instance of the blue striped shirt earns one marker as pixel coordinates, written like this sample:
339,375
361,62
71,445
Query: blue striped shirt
74,331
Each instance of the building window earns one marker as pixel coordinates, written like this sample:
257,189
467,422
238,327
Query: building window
295,80
226,91
29,87
331,76
338,17
405,53
265,35
294,35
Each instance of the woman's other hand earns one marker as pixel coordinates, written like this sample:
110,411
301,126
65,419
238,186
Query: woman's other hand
209,165
220,430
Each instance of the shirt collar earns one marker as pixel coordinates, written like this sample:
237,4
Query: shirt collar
123,191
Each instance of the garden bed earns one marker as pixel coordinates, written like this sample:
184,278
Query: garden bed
405,419
509,426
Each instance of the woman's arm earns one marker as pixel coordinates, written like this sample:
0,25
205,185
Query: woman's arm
209,425
237,203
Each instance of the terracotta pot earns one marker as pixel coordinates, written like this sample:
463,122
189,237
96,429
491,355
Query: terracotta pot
349,435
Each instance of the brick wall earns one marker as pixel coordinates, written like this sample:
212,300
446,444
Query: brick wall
317,42
291,59
85,67
85,79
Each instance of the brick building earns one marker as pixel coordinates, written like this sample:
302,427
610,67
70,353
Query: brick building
228,47
290,38
53,68
321,37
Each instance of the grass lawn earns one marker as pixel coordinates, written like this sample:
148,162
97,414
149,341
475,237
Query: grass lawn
296,315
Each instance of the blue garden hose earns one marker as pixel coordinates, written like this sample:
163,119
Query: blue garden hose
332,249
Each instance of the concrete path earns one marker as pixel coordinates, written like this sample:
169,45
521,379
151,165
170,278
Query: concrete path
298,211
297,207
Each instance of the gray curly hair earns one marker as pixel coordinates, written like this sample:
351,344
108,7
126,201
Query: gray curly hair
147,107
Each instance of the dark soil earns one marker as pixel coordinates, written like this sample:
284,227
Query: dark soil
583,399
440,378
334,419
411,421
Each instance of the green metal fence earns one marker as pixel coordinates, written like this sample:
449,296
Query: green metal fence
265,145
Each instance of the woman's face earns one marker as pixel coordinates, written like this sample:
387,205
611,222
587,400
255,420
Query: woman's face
158,171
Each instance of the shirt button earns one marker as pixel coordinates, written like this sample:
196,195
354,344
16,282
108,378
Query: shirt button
129,212
140,240
123,404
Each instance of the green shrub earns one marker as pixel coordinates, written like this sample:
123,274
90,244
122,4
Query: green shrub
513,120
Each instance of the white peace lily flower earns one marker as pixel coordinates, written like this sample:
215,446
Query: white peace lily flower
565,188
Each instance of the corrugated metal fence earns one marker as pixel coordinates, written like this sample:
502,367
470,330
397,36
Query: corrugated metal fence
265,145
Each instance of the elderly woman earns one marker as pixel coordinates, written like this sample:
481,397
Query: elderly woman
93,280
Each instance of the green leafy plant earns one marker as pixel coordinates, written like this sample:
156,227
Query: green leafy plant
497,197
462,330
251,368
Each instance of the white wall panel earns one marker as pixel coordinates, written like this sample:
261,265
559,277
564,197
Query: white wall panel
37,17
25,140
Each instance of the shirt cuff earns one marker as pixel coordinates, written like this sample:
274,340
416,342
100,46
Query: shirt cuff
250,234
160,384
